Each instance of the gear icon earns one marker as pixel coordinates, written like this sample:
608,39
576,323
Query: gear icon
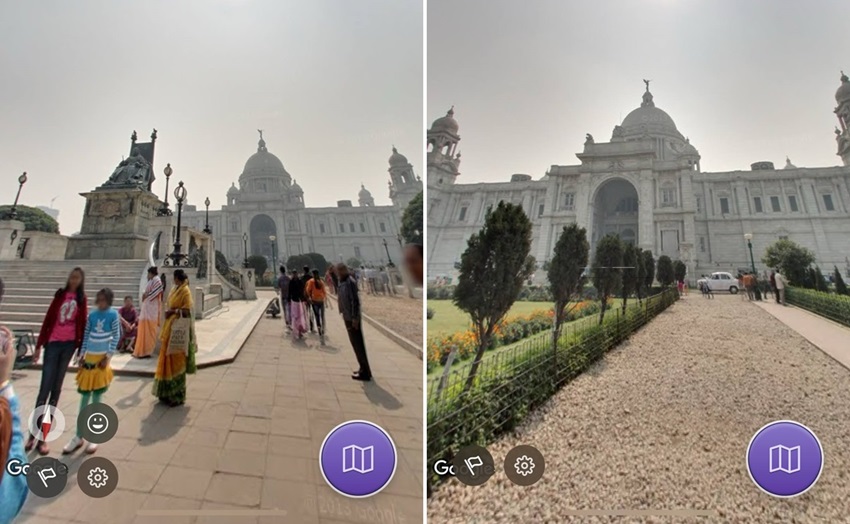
524,465
97,478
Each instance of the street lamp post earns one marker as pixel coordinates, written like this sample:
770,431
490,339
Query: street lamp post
749,239
177,257
273,238
387,249
245,245
13,213
207,229
164,211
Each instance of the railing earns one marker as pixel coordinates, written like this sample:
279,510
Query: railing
829,305
510,383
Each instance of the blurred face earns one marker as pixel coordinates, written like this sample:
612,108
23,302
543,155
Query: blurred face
128,302
413,262
74,280
150,276
342,271
102,304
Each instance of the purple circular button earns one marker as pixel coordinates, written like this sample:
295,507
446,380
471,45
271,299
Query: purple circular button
785,459
358,459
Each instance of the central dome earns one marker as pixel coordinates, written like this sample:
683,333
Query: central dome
648,119
263,164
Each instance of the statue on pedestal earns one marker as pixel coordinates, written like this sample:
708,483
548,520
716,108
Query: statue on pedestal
134,171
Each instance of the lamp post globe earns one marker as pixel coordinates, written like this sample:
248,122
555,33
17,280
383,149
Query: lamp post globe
13,212
207,229
164,211
177,257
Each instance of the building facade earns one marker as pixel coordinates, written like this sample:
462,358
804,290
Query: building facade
646,185
268,212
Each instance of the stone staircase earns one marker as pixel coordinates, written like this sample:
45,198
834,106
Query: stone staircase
30,286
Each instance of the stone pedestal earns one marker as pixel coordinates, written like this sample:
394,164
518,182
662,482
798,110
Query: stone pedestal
10,237
116,225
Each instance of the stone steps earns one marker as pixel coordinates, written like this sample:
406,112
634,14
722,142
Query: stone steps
31,285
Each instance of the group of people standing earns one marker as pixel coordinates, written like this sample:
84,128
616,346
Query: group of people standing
776,285
303,298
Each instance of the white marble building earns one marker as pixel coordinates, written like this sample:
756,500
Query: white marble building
645,183
268,202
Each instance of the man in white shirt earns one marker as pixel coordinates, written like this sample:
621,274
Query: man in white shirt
780,287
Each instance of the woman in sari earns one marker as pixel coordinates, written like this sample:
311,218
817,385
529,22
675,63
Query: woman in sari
148,322
169,384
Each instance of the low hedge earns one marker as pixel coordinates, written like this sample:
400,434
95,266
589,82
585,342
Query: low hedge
830,305
511,330
498,402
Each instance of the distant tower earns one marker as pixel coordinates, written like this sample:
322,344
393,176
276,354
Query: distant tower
404,185
365,197
443,157
842,133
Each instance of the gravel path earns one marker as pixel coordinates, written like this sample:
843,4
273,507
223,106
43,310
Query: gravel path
663,423
400,313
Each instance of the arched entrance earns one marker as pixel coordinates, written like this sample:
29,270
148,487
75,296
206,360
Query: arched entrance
615,210
261,229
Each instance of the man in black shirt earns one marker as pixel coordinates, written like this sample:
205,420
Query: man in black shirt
349,308
296,302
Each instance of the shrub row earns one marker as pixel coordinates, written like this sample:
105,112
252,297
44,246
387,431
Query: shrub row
511,330
832,306
499,401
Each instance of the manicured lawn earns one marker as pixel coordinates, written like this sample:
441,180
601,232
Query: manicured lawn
449,319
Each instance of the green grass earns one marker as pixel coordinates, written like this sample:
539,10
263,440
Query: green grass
449,319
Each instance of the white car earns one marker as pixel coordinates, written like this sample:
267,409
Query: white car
721,281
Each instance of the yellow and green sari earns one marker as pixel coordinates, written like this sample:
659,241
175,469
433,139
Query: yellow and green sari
169,383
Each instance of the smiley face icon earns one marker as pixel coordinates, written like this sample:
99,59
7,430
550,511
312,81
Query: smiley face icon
97,423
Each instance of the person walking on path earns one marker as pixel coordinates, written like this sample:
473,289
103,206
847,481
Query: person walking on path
283,286
129,325
780,287
349,308
151,311
13,488
315,292
749,284
61,335
773,285
94,375
296,306
169,384
308,311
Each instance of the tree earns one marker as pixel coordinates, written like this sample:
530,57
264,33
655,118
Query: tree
354,263
34,219
640,260
566,273
649,269
260,265
665,271
840,286
606,270
411,221
311,260
820,281
791,259
493,269
630,272
680,270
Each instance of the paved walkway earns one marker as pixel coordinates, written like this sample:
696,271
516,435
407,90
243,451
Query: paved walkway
248,438
663,423
832,338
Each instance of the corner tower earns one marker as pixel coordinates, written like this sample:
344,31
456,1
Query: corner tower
404,185
443,156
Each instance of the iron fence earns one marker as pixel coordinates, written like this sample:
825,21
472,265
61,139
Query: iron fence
510,382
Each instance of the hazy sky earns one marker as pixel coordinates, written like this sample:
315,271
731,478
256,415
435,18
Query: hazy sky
333,84
745,80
